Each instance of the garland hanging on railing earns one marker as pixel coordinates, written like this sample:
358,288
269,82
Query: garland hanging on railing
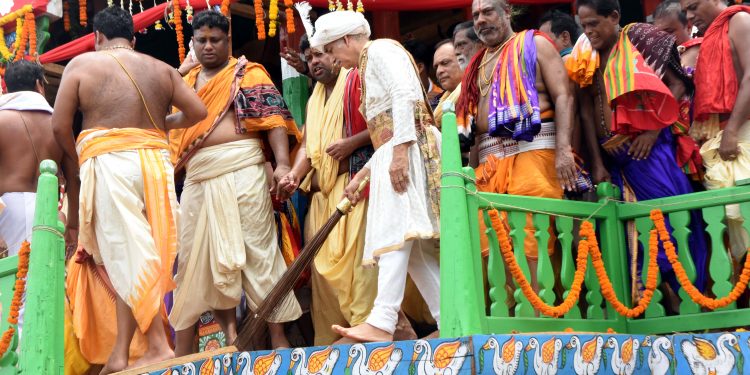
289,16
259,24
273,15
15,305
178,30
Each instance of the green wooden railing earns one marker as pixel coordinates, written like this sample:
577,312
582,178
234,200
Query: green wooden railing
468,306
42,343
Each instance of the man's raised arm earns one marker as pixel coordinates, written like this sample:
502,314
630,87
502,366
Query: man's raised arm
187,101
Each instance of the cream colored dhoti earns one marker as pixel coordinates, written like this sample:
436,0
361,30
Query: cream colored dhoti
721,173
16,219
128,214
227,236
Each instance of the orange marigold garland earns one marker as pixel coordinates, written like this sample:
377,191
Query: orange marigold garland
712,303
82,12
31,30
289,16
178,30
16,303
4,51
224,7
66,15
506,249
22,39
259,24
273,15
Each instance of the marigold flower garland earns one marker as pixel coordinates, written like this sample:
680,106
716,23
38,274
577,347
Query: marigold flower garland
82,12
66,15
224,7
17,302
4,51
21,40
273,15
712,303
259,24
31,30
289,16
178,30
18,16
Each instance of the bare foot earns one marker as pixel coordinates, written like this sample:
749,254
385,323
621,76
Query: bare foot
114,365
363,333
404,330
280,342
434,335
345,341
151,357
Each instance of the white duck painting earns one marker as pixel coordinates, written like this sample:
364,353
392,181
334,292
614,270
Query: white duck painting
320,362
588,355
705,358
661,355
381,361
545,355
504,359
446,359
268,364
625,357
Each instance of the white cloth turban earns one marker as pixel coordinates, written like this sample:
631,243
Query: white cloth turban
336,25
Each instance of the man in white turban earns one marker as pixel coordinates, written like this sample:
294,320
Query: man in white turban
403,216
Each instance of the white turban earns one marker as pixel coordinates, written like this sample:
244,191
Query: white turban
336,25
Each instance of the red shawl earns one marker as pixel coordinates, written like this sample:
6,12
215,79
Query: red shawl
715,78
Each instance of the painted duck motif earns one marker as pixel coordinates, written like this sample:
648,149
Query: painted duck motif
504,360
625,357
588,356
659,361
268,364
546,356
705,358
447,358
382,361
319,363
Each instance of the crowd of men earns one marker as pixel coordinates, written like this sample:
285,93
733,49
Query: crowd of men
653,109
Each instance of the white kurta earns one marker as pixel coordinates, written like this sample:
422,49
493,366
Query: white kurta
392,85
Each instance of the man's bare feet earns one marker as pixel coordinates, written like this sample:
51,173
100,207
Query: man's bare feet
434,335
114,365
404,330
278,336
151,357
363,333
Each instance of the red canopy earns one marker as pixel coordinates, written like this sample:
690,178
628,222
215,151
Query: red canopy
141,20
427,4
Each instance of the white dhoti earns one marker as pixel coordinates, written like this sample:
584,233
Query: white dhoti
17,219
720,174
228,241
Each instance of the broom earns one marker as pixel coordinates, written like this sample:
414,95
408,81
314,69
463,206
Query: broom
254,327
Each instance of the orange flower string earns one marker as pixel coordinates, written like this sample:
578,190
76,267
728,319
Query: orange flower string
658,218
178,30
17,302
66,15
31,22
22,39
575,290
225,7
259,23
82,12
289,16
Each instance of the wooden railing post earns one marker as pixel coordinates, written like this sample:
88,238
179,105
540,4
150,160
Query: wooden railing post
461,301
42,344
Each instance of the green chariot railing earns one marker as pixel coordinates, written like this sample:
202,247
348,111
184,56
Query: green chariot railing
469,306
41,349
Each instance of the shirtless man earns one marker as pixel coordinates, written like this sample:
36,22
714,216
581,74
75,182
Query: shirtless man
226,184
25,140
538,161
127,205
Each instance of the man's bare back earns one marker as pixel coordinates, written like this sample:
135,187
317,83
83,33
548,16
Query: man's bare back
108,98
19,150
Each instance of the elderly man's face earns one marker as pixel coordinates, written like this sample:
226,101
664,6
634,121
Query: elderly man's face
343,53
465,47
491,21
448,72
701,13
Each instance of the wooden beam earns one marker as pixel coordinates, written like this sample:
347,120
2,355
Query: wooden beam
178,361
53,69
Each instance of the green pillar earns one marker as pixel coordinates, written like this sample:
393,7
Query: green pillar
461,301
42,339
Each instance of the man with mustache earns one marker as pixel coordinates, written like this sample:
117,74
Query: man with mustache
722,92
335,146
466,42
522,127
449,73
228,237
